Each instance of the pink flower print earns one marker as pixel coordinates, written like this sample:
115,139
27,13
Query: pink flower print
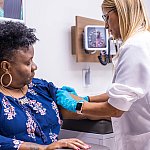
32,91
53,136
54,106
31,126
37,107
17,143
8,109
32,102
10,112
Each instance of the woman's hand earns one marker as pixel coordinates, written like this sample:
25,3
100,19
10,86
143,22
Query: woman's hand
72,143
72,91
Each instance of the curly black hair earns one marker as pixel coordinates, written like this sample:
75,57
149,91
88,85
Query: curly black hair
13,36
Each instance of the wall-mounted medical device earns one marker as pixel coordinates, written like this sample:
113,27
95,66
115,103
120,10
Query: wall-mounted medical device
95,38
90,41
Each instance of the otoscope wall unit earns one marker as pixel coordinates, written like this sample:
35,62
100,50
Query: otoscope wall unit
90,41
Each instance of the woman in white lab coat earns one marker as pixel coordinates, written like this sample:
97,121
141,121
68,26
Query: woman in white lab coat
127,100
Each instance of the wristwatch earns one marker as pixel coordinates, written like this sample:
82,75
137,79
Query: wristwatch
79,107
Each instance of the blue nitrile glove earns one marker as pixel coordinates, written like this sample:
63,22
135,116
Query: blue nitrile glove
86,98
66,101
70,90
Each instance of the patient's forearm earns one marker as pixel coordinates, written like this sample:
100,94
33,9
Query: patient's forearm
92,117
70,115
99,98
31,146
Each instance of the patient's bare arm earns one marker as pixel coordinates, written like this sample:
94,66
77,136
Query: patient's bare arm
71,115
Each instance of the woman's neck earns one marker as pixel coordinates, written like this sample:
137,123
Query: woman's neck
14,92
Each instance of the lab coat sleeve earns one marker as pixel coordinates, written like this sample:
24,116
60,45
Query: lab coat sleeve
8,143
132,77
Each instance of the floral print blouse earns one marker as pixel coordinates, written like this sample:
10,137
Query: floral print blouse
32,118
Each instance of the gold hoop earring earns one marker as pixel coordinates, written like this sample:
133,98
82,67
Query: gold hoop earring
6,73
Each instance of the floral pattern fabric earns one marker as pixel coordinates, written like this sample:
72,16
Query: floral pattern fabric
32,118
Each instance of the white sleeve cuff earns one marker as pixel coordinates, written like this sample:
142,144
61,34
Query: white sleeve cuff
123,96
119,104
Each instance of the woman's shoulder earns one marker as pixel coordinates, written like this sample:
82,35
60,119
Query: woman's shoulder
138,39
43,86
137,45
137,42
36,82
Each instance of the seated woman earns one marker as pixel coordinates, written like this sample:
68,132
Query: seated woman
29,115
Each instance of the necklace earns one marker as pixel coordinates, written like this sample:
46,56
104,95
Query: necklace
21,101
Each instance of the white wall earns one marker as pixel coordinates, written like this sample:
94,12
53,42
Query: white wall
53,21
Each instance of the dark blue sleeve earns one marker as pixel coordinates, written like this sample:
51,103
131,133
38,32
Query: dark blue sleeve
47,88
52,90
9,144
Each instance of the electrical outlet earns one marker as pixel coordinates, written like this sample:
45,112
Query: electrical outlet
86,73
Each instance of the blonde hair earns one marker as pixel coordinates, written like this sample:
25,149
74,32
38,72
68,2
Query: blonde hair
132,16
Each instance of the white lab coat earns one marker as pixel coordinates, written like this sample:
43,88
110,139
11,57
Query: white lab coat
130,92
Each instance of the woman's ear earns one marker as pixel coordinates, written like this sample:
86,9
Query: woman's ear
5,65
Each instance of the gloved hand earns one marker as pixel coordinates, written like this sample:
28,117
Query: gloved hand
72,91
66,101
86,98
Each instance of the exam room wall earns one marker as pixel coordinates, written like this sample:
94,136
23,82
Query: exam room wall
53,20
